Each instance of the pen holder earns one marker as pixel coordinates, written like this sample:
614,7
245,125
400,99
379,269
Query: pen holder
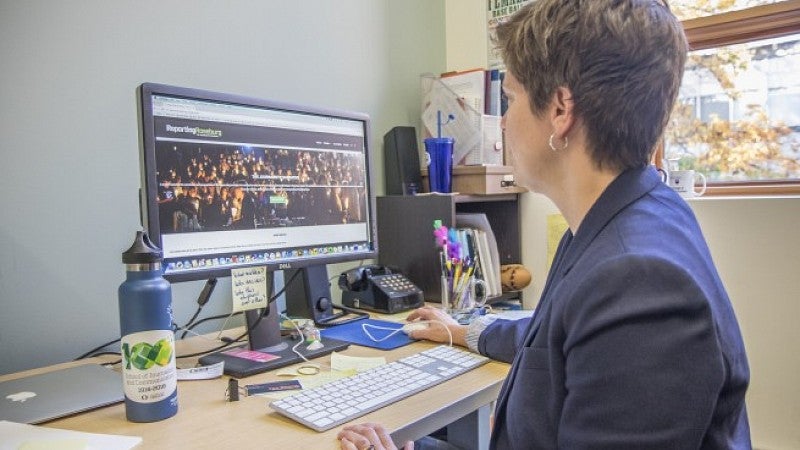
461,299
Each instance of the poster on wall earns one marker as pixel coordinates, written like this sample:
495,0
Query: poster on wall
497,12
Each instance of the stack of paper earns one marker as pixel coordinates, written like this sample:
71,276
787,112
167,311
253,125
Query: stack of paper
32,437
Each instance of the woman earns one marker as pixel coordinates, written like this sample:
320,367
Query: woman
634,343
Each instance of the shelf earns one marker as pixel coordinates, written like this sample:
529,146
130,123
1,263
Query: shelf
405,233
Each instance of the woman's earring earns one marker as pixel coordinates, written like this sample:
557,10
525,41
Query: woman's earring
553,147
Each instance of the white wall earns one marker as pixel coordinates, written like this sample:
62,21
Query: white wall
756,248
755,245
68,129
466,34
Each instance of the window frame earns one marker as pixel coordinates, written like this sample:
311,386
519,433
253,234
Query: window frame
737,27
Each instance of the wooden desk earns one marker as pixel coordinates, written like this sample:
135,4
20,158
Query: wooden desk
206,420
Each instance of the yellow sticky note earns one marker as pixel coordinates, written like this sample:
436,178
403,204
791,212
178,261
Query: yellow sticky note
249,288
359,364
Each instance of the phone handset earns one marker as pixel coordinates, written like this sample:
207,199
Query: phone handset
379,288
359,279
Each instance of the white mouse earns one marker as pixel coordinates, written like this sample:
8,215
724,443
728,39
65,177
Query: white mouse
413,326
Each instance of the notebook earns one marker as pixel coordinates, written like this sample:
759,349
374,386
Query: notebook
51,395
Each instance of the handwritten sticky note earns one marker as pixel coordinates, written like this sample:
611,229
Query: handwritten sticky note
249,288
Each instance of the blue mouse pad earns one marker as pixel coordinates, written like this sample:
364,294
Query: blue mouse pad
354,333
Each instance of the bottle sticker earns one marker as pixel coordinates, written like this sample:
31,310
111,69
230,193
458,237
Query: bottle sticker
148,365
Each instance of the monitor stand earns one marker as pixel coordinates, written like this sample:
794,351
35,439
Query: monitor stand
244,361
266,348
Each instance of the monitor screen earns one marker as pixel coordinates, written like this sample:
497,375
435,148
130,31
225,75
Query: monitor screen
231,181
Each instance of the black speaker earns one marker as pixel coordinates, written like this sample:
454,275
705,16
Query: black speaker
309,296
401,161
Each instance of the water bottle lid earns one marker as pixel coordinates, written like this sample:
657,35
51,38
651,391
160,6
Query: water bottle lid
143,251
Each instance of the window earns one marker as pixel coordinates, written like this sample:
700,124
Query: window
737,118
692,9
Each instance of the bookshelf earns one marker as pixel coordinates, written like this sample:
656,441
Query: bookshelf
405,233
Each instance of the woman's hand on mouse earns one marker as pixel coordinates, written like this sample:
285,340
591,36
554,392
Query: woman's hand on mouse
439,322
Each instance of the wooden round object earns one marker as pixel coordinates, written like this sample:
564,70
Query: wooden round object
514,277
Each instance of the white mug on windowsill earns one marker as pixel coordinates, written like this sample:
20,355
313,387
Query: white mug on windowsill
684,181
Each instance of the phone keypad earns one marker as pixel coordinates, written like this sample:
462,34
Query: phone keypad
396,282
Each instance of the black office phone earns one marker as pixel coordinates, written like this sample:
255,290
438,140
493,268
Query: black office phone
379,288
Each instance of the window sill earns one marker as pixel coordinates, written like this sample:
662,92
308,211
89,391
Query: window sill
753,189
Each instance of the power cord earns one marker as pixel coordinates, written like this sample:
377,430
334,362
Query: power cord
202,299
98,348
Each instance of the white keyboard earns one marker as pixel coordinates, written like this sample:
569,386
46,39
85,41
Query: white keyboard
341,401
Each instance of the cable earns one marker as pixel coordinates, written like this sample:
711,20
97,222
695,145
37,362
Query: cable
202,299
107,353
366,326
254,325
300,333
99,347
188,326
206,319
309,368
204,352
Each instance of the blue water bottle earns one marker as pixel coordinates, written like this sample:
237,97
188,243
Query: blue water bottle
149,376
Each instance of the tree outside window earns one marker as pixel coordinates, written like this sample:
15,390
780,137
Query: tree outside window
737,118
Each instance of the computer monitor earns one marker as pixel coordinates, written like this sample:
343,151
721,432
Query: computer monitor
231,181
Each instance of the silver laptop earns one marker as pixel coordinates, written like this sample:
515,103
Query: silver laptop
51,395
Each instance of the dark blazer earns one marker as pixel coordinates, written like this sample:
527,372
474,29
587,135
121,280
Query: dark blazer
634,343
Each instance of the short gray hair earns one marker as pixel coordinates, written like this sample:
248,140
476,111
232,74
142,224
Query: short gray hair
622,60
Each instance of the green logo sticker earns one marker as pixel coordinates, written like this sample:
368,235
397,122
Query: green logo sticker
144,355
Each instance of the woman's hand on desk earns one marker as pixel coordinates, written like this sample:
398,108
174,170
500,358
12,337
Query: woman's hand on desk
368,436
439,323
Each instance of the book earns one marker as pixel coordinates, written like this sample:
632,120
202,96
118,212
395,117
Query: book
488,256
493,92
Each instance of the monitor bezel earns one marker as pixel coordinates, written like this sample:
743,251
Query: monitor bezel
149,184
